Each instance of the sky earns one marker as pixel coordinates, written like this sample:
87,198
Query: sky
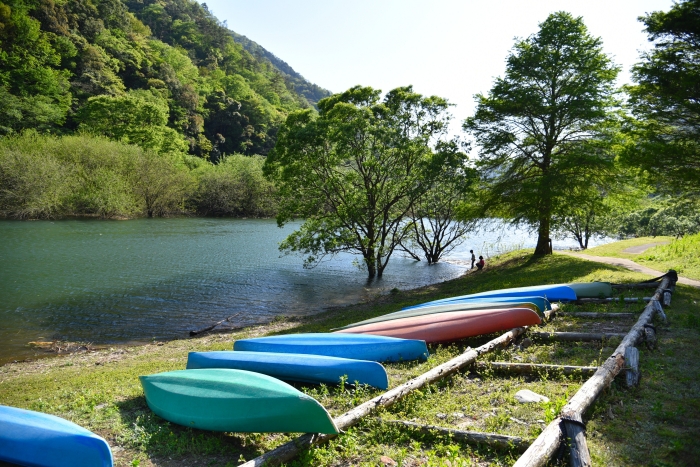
449,48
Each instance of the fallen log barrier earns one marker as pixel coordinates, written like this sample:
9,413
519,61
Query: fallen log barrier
593,315
574,336
291,449
643,285
471,437
548,442
529,368
583,301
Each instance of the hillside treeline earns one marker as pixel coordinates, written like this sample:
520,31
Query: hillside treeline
165,75
45,176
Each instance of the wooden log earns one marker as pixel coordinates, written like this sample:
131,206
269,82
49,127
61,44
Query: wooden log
659,309
549,314
576,434
592,315
631,367
209,328
574,336
642,285
529,368
667,298
583,301
547,443
650,336
291,449
471,437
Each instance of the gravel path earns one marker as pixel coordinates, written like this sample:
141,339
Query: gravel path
631,265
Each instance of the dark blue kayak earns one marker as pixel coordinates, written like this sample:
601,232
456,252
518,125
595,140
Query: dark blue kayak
553,293
37,439
355,346
294,367
541,303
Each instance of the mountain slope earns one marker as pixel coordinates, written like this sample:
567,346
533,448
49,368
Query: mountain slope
169,69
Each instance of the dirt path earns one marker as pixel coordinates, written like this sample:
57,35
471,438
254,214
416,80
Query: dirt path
642,248
631,265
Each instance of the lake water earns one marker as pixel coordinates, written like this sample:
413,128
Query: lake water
112,282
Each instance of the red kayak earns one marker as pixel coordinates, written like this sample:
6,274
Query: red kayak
450,326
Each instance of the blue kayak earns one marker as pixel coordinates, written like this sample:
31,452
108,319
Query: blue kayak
38,439
294,367
355,346
541,303
553,293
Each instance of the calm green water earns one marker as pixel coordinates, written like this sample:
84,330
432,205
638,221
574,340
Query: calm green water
110,282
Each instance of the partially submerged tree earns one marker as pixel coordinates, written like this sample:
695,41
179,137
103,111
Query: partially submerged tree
354,171
544,129
666,99
440,219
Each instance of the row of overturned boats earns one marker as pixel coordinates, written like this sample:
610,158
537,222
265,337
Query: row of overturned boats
246,389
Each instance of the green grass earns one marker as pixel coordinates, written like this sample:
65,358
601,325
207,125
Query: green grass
615,249
682,255
655,424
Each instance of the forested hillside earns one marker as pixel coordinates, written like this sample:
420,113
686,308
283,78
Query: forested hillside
163,74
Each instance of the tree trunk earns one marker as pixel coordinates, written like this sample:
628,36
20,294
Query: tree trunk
370,261
542,247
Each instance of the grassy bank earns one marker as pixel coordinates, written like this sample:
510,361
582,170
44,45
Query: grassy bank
654,424
681,254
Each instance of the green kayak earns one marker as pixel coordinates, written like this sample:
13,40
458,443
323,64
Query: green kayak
220,399
592,289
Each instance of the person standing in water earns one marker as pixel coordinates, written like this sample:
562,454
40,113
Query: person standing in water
473,258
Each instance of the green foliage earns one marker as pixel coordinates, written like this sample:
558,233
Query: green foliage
442,216
70,64
139,118
548,120
236,187
661,216
354,171
666,99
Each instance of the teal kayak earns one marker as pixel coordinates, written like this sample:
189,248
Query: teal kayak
592,289
358,347
295,367
234,400
38,439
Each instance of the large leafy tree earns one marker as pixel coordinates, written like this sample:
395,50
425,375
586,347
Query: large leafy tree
543,129
354,171
666,98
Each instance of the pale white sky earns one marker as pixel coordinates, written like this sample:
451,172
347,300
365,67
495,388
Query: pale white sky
450,48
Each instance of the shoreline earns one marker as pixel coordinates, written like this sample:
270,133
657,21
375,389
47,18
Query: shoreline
100,389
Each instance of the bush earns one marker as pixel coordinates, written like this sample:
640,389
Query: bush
236,187
33,183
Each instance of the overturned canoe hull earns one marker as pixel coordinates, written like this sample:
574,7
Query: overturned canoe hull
542,303
234,400
451,326
460,305
295,367
360,347
592,289
37,439
553,293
